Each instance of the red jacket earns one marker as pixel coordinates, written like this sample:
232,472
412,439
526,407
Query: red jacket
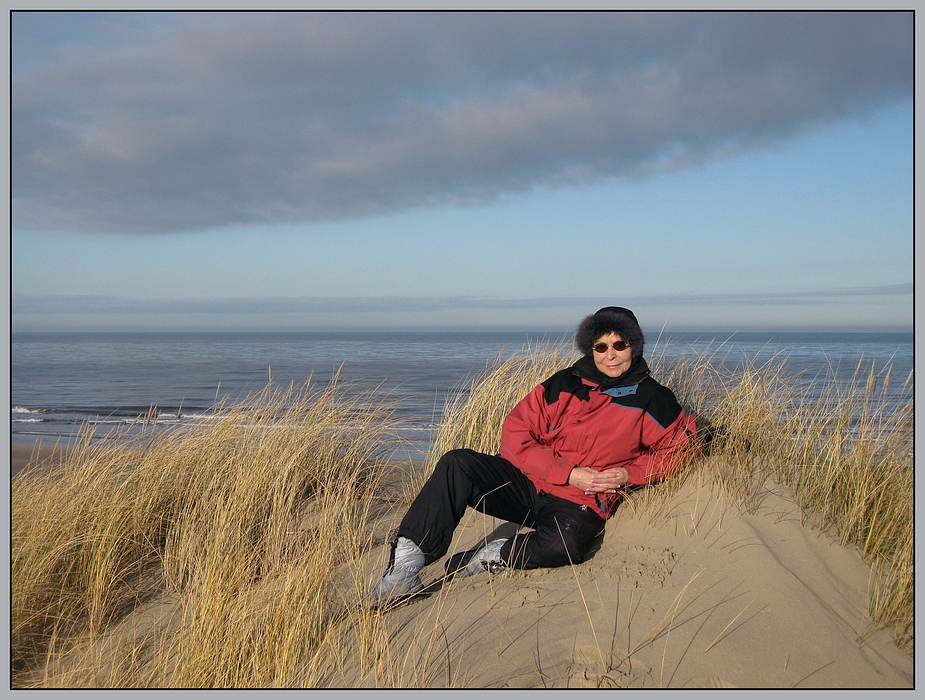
572,420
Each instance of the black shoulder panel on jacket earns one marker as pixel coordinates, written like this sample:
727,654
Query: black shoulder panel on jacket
656,400
565,381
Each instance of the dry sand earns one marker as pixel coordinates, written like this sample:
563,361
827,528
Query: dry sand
695,595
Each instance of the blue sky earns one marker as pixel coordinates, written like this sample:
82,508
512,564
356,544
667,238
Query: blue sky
304,171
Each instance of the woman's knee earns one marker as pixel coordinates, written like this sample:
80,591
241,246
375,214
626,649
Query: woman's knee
459,463
456,471
454,459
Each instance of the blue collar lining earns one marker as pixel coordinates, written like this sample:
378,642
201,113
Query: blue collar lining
622,390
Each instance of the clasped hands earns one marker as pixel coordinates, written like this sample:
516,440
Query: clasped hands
592,481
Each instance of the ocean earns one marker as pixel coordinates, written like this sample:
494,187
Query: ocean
62,381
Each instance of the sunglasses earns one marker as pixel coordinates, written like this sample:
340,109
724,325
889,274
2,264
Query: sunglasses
618,346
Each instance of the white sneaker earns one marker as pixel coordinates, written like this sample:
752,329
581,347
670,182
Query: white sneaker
475,561
401,578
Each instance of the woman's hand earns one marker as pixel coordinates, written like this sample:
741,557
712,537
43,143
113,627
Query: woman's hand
592,481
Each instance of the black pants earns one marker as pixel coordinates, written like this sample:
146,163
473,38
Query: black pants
563,531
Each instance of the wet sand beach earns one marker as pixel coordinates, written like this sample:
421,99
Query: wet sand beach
23,455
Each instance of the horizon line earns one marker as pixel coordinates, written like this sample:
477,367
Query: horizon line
382,330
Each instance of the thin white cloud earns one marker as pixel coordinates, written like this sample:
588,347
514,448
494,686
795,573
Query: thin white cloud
32,304
214,119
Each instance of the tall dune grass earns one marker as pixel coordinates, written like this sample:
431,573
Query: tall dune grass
236,553
244,523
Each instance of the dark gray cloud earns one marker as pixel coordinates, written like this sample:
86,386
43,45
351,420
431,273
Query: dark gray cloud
213,119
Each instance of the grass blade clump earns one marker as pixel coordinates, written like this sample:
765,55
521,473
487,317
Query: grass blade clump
213,519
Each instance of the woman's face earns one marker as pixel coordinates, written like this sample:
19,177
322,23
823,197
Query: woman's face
613,363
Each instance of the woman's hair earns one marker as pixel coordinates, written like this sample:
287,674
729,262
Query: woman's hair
610,319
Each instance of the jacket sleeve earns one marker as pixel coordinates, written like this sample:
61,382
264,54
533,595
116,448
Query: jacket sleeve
525,439
665,449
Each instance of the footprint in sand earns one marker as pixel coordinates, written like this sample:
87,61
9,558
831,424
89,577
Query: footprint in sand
645,563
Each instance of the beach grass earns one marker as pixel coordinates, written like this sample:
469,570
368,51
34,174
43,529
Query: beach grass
246,523
237,553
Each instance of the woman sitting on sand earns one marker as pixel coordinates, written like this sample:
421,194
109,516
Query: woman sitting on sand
567,449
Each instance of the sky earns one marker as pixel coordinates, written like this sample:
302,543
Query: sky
461,171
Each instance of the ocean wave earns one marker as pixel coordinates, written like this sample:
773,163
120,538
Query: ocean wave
419,428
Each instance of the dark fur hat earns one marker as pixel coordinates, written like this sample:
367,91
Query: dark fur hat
610,319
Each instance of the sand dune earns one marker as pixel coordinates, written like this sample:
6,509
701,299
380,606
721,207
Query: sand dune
694,595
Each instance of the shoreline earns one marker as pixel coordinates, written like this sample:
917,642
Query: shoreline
24,454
